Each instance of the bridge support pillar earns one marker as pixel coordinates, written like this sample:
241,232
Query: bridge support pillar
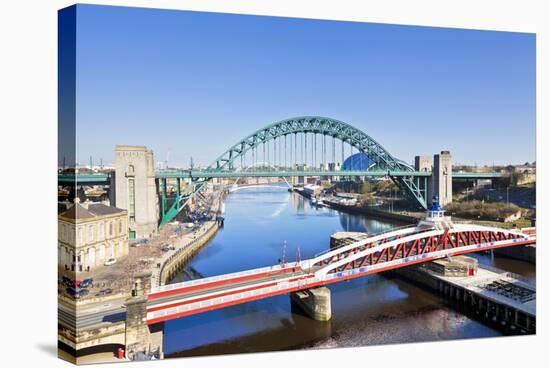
314,302
141,338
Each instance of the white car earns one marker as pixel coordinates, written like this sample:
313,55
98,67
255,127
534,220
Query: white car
110,261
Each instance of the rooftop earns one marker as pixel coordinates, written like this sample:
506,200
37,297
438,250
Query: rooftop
79,211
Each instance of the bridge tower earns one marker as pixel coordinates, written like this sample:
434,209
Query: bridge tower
135,189
441,182
141,338
442,177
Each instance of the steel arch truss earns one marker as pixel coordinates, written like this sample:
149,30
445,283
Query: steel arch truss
401,250
344,132
318,125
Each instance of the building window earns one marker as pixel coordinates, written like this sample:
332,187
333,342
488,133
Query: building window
91,233
131,199
110,229
119,227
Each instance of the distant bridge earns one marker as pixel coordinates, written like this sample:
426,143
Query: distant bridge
234,188
104,178
295,147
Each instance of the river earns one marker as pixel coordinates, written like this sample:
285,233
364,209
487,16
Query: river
263,225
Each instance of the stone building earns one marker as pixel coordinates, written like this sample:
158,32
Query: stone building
90,234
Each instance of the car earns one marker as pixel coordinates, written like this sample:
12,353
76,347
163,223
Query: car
105,291
76,292
83,292
110,262
147,260
88,282
72,292
67,281
139,243
167,247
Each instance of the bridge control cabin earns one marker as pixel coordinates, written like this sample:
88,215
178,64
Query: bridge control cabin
435,218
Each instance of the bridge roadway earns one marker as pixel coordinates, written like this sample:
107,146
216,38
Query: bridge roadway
156,303
104,178
374,254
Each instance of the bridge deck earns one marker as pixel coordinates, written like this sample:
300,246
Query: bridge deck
104,178
216,290
192,297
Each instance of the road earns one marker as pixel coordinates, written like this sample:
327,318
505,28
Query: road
208,291
112,311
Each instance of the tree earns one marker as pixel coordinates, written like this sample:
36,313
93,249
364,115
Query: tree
366,187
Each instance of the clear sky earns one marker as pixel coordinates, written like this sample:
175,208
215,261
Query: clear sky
196,83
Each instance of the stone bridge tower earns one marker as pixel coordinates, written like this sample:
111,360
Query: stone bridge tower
141,338
135,189
443,177
441,182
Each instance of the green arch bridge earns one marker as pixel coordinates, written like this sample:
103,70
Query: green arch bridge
287,144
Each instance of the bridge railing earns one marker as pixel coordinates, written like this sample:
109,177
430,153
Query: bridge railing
206,280
247,295
365,239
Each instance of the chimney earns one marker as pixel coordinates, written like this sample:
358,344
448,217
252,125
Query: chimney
86,203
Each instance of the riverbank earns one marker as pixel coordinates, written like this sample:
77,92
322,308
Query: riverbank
173,262
405,217
410,217
186,247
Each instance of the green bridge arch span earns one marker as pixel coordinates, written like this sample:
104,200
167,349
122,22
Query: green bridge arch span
384,164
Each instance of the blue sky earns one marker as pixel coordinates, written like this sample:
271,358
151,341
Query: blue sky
196,83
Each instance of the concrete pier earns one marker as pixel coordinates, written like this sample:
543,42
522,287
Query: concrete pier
496,297
314,302
527,253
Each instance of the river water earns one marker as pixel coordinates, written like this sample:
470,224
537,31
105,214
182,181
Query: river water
263,225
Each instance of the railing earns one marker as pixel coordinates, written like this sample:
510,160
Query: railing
277,289
204,280
366,240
